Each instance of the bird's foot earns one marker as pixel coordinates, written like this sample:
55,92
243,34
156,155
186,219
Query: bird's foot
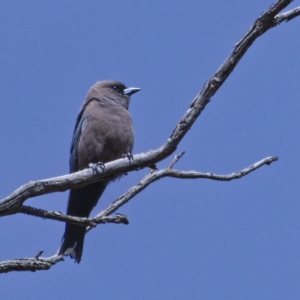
97,167
128,155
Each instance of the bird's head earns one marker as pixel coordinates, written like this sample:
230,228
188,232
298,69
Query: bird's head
112,90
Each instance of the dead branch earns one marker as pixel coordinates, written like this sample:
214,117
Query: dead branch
29,264
58,216
169,172
288,15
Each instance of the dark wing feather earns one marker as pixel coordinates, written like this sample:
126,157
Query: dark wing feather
76,137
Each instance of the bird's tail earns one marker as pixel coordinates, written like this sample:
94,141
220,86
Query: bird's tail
72,242
81,203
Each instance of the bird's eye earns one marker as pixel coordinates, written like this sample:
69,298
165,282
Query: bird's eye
115,87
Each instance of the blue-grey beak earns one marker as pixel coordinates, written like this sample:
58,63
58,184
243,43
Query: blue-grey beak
131,91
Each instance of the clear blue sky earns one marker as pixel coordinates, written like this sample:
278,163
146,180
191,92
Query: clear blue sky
192,239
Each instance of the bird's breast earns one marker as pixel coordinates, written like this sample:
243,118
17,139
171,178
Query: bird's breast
107,133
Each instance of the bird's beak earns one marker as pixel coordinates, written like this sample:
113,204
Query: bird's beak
131,91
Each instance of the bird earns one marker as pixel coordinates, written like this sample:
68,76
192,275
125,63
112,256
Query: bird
103,132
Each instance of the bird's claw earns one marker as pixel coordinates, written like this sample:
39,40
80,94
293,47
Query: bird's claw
128,155
97,167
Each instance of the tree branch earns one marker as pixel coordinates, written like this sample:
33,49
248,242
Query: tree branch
288,15
29,264
36,263
168,172
103,217
58,216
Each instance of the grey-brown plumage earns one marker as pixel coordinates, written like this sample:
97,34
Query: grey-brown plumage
103,132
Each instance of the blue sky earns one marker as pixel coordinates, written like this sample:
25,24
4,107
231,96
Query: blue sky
187,239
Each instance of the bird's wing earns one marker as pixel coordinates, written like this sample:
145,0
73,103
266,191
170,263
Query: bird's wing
75,142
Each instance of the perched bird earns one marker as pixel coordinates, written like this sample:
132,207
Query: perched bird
103,132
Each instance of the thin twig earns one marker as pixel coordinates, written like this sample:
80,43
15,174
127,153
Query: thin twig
58,216
176,159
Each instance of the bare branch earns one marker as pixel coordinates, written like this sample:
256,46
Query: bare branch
288,15
103,217
176,159
37,263
58,216
29,264
168,172
236,175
